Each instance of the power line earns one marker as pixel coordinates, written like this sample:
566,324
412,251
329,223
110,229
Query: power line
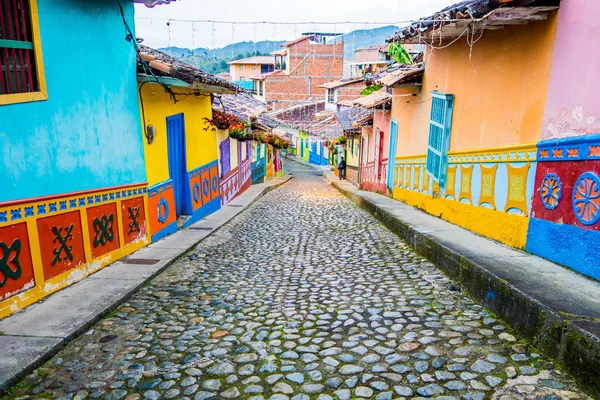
411,21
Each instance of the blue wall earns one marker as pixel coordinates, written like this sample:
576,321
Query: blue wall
87,135
566,245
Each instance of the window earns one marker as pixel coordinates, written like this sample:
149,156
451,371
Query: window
242,67
330,95
253,67
440,124
21,69
242,78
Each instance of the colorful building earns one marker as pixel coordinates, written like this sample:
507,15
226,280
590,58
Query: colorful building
239,167
74,197
466,149
375,138
565,216
180,146
243,71
352,122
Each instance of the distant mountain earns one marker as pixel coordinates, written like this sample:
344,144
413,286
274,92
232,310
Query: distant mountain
215,61
363,38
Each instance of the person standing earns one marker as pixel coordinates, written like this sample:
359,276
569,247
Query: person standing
342,169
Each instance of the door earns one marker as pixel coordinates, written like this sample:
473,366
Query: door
392,155
177,163
380,156
376,155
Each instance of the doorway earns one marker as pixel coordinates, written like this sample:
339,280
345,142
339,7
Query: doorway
177,159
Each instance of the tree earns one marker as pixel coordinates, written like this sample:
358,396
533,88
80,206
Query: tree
399,53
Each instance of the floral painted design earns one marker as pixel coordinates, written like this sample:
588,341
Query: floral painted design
551,191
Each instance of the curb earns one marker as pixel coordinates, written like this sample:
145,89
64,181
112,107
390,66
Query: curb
62,342
576,350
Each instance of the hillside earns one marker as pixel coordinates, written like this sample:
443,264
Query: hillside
364,38
215,61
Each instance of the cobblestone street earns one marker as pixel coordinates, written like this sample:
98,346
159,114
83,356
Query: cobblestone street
303,296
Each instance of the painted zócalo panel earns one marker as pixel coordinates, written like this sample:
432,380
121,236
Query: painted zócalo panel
488,191
49,243
565,224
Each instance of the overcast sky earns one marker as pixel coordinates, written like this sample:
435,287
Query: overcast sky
151,24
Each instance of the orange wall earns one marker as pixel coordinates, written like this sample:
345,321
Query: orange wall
500,92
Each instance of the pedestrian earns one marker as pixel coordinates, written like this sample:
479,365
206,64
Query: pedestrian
342,169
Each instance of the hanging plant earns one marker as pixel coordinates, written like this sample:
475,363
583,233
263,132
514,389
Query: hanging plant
220,120
342,140
240,132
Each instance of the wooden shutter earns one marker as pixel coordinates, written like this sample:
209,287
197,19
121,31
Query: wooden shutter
225,158
440,123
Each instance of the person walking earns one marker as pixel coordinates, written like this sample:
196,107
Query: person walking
342,169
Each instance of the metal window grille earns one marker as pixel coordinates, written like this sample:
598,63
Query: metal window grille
17,61
440,124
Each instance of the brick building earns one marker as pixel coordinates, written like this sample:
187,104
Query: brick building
342,91
302,66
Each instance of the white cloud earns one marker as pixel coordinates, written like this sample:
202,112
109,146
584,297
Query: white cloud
151,24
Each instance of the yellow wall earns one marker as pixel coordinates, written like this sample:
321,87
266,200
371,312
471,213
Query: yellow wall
352,150
200,144
499,93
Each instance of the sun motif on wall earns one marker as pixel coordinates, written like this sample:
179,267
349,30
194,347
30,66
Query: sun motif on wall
551,191
586,198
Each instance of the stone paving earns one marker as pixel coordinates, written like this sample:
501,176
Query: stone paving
303,296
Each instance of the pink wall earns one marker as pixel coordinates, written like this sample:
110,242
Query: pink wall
572,107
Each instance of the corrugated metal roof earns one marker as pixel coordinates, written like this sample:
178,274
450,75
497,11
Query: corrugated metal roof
374,99
397,74
341,82
353,118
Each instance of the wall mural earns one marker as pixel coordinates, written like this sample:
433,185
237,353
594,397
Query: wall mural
565,224
46,245
488,191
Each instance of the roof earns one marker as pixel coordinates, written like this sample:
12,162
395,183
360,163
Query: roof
263,76
353,118
383,48
254,60
295,41
311,118
398,74
281,52
375,99
152,3
453,21
341,82
162,65
244,106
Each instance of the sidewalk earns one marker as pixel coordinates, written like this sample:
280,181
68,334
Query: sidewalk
32,336
555,308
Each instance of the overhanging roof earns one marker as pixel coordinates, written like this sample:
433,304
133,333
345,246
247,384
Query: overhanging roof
474,16
341,82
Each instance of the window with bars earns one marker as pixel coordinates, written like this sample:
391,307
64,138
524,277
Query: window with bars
440,124
18,73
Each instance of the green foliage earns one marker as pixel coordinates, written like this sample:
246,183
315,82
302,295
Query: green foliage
370,89
399,53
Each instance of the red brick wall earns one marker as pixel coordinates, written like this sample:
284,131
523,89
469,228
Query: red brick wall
351,91
310,66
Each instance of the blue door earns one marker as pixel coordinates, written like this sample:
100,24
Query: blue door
392,155
177,164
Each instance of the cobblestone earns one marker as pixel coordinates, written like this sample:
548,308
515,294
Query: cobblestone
303,296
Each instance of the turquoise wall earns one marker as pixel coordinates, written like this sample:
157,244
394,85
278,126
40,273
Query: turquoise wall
87,135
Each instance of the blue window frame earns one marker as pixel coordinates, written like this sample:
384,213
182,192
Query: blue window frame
440,124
